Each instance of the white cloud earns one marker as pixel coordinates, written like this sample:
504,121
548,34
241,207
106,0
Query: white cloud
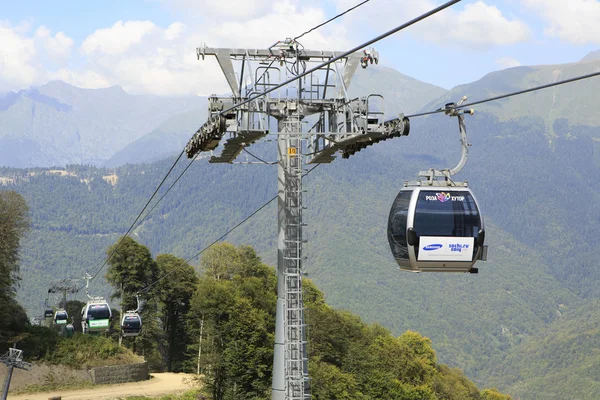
17,55
30,57
229,10
285,20
483,25
58,47
575,21
477,25
507,62
174,31
118,38
21,28
163,61
145,58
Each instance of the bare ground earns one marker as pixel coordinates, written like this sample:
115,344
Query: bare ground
160,384
44,374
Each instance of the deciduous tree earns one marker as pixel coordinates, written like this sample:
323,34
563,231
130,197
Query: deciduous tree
14,223
131,269
175,293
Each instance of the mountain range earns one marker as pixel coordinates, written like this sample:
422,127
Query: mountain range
58,124
526,323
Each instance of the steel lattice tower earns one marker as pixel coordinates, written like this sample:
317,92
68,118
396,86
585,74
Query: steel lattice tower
63,287
13,359
340,124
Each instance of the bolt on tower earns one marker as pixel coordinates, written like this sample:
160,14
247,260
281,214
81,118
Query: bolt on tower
313,119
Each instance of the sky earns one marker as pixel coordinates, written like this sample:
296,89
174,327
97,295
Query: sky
149,46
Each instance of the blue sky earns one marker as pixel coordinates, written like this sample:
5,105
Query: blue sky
81,18
148,46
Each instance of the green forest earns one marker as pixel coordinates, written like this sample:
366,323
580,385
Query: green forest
527,326
219,323
540,268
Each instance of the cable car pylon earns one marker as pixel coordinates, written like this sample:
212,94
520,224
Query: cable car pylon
13,359
63,287
343,125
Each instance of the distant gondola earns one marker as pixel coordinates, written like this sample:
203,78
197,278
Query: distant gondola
131,324
61,317
69,330
95,316
48,312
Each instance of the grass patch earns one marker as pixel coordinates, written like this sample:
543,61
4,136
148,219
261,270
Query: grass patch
53,382
85,351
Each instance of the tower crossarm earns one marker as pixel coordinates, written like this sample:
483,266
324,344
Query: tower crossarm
281,51
353,126
285,49
313,117
14,358
260,92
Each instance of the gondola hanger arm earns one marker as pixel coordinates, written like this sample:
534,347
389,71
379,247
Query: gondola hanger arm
453,110
137,309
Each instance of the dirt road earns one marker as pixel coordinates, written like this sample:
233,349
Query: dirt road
159,385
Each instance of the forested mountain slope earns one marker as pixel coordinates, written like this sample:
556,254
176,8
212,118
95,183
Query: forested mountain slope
572,101
532,174
472,319
560,362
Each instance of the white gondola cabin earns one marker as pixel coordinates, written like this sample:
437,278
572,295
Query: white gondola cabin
96,316
436,229
61,317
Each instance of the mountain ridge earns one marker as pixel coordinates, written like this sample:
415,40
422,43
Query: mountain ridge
112,121
57,123
567,101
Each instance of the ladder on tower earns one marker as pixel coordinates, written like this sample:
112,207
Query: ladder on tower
296,358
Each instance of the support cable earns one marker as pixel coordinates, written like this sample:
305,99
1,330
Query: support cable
343,55
504,96
258,158
330,61
220,238
138,216
331,19
167,191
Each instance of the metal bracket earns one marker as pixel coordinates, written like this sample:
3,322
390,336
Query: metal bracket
201,51
452,110
369,56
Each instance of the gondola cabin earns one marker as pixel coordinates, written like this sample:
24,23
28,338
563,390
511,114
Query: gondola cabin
436,229
69,330
95,316
48,313
131,324
61,317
